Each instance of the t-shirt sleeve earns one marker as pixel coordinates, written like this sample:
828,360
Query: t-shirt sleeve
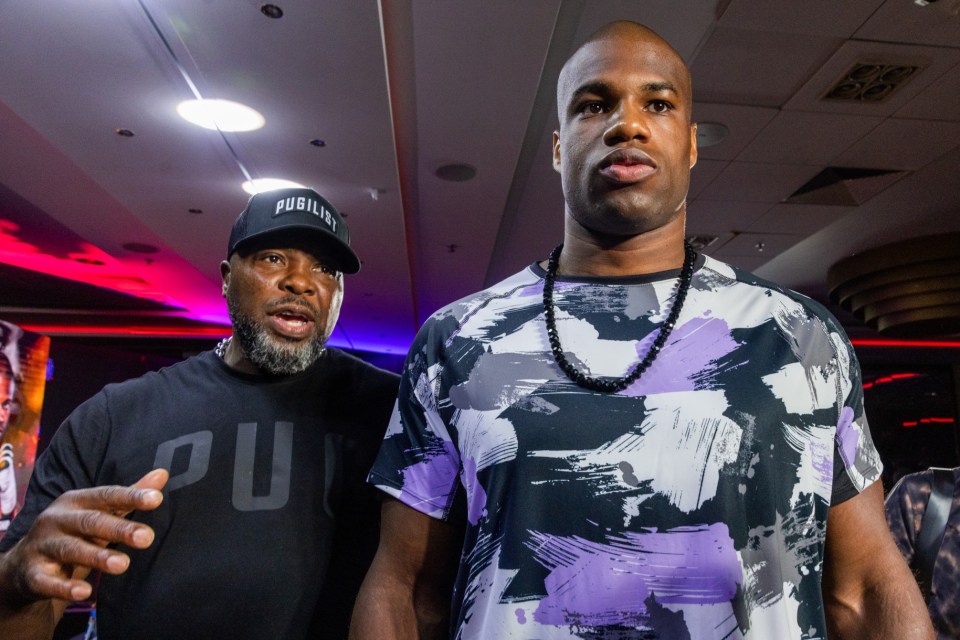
856,462
70,462
418,463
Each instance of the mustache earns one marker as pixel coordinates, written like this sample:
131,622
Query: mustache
292,300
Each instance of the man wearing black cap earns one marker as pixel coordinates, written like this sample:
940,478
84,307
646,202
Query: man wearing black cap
254,521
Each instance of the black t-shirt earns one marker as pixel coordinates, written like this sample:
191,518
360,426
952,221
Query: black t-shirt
266,527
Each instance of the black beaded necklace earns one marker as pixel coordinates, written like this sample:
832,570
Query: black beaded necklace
618,384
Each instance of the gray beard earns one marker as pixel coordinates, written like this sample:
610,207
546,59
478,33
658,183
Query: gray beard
269,355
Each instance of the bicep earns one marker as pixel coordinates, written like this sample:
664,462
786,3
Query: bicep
858,541
418,549
407,590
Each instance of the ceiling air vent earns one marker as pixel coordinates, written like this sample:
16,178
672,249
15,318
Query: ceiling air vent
701,242
844,186
871,82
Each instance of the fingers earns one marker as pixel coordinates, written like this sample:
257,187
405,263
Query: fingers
155,479
119,500
71,551
52,560
70,537
106,528
46,586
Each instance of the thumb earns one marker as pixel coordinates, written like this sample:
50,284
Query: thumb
151,485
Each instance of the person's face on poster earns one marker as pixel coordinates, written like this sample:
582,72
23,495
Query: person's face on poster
6,400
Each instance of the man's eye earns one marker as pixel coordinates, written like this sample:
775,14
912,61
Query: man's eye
659,106
592,108
327,269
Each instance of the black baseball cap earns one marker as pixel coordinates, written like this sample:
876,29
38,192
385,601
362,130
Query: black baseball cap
302,210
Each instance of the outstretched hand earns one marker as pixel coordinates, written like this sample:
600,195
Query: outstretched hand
70,538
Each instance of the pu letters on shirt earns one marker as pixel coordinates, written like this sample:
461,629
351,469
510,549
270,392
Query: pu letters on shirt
280,470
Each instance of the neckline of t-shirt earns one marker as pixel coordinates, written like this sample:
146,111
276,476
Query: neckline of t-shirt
261,379
645,278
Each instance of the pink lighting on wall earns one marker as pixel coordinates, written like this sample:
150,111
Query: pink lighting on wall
130,330
87,264
933,344
914,423
891,378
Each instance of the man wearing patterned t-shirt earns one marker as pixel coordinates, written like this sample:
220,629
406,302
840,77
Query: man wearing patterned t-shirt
631,440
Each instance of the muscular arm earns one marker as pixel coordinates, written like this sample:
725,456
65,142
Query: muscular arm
406,593
868,589
47,567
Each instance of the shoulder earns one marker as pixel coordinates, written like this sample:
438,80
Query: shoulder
483,307
742,280
350,370
197,370
742,292
355,387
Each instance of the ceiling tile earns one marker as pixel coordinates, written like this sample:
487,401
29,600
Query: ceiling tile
818,17
902,144
716,217
904,21
765,245
807,138
746,67
797,219
757,182
703,173
937,101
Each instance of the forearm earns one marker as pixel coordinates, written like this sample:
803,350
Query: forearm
868,590
21,617
381,612
32,622
392,610
887,604
889,609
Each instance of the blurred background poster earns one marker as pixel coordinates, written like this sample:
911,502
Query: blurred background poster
23,374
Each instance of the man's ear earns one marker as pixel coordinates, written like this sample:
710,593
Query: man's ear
224,277
693,144
556,151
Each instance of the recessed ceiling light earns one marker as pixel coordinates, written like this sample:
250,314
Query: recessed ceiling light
140,247
275,12
458,172
259,185
711,133
223,115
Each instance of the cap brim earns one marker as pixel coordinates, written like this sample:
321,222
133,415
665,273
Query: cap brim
330,246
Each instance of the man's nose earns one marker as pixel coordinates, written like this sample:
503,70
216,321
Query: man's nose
628,122
298,280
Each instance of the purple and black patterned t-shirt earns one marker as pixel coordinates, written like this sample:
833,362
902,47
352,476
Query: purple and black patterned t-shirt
693,504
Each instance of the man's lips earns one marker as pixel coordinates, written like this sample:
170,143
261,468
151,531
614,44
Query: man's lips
626,166
292,320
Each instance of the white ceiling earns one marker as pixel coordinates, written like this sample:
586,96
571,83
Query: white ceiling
399,88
